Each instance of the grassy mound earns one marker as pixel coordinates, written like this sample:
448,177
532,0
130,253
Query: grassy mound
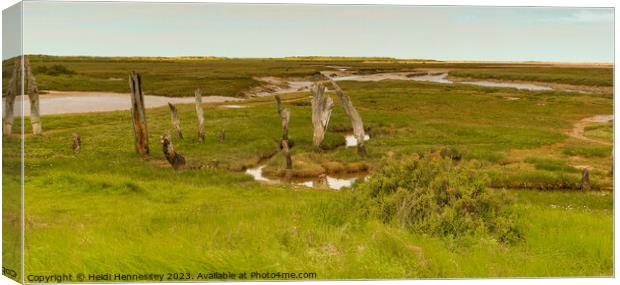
433,195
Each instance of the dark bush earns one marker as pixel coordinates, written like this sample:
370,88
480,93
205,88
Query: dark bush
436,196
53,70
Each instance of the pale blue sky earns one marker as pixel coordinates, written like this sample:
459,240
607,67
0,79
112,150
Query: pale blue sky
240,30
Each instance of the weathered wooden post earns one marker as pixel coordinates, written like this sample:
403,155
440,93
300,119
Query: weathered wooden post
322,182
285,116
77,143
200,114
585,180
12,90
33,94
176,121
279,103
356,119
138,114
322,106
222,136
175,159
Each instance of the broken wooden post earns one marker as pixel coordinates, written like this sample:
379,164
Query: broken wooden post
77,143
285,115
200,114
322,182
356,119
585,180
222,136
279,102
33,94
175,159
12,90
176,121
322,106
138,114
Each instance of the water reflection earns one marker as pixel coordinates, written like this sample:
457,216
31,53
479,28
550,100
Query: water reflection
335,182
352,141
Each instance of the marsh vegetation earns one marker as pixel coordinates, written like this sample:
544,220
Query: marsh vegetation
464,181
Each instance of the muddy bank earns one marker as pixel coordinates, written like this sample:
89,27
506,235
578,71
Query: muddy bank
430,77
66,102
335,181
274,86
551,85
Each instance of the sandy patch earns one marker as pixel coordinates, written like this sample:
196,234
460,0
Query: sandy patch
578,130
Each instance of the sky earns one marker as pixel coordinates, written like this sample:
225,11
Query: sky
276,30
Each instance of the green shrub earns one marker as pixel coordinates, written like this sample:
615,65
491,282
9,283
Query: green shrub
435,196
54,70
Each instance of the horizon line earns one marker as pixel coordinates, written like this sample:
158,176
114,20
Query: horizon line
334,56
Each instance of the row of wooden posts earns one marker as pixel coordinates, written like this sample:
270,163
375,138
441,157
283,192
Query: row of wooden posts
139,123
322,106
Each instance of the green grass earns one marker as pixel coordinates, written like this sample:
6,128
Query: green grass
107,210
551,164
11,205
594,151
604,131
576,76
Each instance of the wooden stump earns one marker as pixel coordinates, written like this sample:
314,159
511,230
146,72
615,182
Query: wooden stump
322,106
138,114
33,94
285,117
322,182
222,136
176,121
200,114
585,180
77,143
356,119
176,160
13,88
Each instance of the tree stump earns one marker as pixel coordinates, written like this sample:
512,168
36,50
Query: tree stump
356,119
176,121
200,114
33,95
285,117
138,114
13,88
585,180
322,106
77,143
175,159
